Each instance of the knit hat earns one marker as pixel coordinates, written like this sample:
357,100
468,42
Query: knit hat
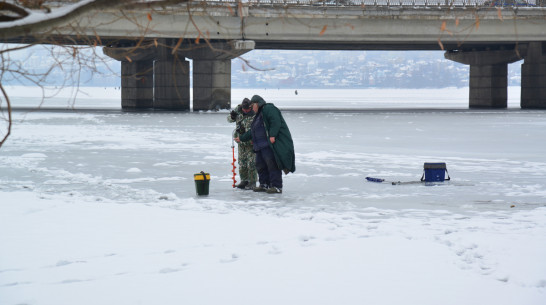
245,104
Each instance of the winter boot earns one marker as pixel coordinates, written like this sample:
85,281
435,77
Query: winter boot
261,188
274,190
251,185
242,185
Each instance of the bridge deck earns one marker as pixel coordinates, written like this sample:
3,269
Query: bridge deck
315,24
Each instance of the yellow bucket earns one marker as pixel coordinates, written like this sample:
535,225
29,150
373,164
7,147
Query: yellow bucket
202,181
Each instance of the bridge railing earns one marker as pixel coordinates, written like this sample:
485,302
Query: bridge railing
369,3
393,3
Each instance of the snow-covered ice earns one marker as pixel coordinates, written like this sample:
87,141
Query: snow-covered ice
99,207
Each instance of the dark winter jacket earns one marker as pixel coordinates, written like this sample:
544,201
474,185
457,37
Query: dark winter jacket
260,139
275,126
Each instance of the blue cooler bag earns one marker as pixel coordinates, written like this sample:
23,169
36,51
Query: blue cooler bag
435,172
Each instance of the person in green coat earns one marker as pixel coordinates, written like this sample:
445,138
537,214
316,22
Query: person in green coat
272,142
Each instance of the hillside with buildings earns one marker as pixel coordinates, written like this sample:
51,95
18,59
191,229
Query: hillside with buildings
287,69
353,69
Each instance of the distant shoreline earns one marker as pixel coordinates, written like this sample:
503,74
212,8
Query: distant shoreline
115,92
303,99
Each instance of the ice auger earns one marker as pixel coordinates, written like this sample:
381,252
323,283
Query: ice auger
233,151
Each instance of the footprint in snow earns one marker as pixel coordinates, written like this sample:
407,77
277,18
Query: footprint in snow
274,251
9,270
234,257
306,240
15,284
171,270
168,270
504,278
62,263
71,281
449,231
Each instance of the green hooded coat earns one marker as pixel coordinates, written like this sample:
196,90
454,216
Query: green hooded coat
275,126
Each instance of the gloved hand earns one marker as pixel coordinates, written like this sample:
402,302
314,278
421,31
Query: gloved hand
241,130
233,114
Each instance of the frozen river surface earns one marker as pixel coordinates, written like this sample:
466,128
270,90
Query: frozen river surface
495,158
99,207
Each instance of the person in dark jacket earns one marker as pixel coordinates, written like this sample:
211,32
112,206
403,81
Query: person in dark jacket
272,142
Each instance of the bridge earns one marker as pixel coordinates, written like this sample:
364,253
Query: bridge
153,44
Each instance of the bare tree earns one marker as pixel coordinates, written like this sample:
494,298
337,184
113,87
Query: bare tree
28,23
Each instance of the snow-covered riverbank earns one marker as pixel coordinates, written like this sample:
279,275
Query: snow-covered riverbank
100,208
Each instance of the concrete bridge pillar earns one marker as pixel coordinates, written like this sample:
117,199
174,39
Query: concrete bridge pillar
488,75
137,75
137,84
171,81
153,77
533,77
172,84
488,86
212,73
211,84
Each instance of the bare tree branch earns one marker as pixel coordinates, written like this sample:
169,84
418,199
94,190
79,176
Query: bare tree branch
13,12
23,27
9,120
